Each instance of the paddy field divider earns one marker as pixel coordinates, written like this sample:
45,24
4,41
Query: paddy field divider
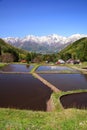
52,87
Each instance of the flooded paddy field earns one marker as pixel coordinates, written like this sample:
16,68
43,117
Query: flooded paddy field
23,91
67,82
56,69
17,68
77,100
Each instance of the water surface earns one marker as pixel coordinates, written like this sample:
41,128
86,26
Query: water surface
17,68
59,69
23,91
75,100
66,82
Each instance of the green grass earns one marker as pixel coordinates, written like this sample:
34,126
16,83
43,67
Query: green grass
70,119
84,64
35,67
79,67
58,119
2,64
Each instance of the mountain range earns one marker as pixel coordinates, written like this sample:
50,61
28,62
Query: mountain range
43,44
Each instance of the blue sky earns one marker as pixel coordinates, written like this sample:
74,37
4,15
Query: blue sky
19,18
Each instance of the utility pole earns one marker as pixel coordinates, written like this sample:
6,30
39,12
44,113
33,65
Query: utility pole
0,50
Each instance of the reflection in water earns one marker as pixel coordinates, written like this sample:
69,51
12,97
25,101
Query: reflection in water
23,91
17,68
27,65
76,100
57,68
53,67
85,76
66,82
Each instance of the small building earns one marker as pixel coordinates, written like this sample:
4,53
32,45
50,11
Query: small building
72,61
60,61
23,61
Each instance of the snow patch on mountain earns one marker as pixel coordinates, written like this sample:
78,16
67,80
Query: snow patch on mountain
50,43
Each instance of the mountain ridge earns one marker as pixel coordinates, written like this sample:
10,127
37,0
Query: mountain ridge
43,44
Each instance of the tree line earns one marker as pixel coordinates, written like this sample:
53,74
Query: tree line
77,50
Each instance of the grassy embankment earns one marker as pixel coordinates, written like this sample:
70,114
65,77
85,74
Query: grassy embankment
2,64
81,67
35,67
58,119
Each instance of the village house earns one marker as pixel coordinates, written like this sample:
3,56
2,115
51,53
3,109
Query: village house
60,61
72,61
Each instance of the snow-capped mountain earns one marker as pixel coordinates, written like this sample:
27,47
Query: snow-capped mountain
44,44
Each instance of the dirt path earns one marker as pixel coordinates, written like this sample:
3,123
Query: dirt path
49,105
53,88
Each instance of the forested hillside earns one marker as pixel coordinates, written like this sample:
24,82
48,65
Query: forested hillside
76,50
9,53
